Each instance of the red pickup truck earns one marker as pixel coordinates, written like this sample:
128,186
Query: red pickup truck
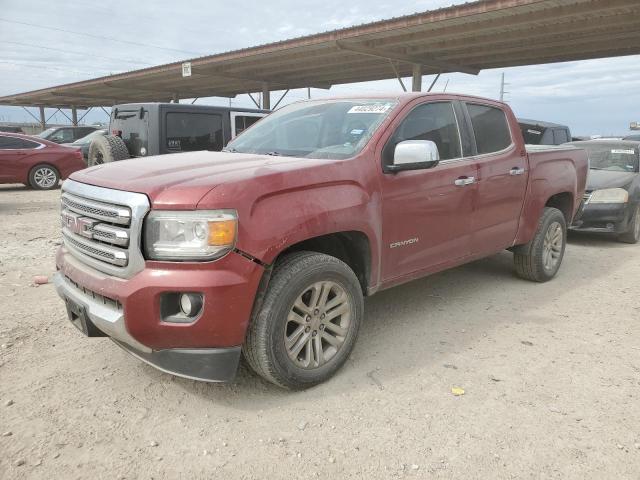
266,249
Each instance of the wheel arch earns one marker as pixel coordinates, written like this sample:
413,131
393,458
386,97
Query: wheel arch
42,164
351,247
564,202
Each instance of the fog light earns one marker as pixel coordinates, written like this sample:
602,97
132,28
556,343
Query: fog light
190,304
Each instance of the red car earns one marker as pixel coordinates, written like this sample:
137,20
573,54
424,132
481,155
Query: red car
268,248
36,162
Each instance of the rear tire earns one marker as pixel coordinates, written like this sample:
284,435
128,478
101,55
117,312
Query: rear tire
308,322
633,234
540,259
44,177
106,149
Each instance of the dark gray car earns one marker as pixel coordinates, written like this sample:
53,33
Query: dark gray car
612,198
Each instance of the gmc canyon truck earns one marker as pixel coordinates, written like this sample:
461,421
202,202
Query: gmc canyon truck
266,250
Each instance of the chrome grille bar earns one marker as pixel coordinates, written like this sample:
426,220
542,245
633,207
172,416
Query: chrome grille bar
112,255
98,210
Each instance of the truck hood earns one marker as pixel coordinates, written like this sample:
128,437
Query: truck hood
181,180
599,179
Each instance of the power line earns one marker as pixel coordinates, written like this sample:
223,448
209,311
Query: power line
77,53
100,37
47,67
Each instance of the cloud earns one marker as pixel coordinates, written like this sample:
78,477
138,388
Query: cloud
596,96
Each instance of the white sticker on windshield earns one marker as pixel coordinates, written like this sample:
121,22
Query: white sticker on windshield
372,108
624,152
535,132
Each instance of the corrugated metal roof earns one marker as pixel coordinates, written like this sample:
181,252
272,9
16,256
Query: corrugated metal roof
464,38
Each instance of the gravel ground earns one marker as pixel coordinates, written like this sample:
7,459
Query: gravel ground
551,379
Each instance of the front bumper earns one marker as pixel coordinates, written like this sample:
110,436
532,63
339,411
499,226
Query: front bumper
602,217
128,311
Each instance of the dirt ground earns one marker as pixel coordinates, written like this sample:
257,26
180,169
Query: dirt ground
551,375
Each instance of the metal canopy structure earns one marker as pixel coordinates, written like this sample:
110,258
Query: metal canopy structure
463,38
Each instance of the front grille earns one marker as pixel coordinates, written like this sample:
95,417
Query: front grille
106,301
101,227
101,211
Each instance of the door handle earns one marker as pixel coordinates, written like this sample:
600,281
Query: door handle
516,171
462,181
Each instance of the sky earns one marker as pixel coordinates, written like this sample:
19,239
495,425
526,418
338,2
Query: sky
44,43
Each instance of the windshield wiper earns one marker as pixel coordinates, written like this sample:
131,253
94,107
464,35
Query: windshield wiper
274,154
229,150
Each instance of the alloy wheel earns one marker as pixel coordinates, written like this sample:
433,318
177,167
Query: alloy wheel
552,247
45,177
317,324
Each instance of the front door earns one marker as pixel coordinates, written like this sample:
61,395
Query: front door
502,180
427,213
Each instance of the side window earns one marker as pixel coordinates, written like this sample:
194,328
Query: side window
10,143
490,128
27,144
187,132
430,121
242,123
64,135
560,136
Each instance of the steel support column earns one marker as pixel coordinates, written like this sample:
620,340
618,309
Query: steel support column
74,116
266,97
416,84
43,120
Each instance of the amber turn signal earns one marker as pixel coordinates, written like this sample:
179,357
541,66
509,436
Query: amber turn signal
222,232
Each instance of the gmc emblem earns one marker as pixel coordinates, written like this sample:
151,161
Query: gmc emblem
77,224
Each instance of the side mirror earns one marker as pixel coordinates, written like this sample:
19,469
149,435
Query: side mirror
414,155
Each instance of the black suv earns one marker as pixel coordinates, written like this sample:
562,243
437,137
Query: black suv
65,134
143,129
536,132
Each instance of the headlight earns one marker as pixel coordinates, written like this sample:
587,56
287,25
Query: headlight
190,235
610,195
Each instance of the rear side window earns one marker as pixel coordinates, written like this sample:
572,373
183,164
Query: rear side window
430,121
560,136
244,122
187,132
13,143
490,128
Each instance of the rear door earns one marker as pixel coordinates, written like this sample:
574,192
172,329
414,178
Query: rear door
502,179
427,213
15,155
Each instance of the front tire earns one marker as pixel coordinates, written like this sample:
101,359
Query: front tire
308,322
633,234
540,259
44,177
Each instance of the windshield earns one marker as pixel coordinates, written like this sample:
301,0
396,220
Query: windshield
616,158
331,129
45,134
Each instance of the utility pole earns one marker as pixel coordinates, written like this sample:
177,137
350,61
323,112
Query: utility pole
308,93
502,90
